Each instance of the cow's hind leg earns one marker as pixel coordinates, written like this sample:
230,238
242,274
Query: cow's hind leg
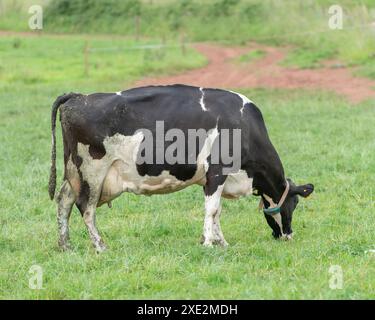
87,204
90,221
65,200
219,237
213,189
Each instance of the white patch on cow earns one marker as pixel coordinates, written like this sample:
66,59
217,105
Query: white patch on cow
276,217
93,170
270,201
72,176
122,175
206,165
201,101
119,93
238,185
245,100
210,228
89,219
207,147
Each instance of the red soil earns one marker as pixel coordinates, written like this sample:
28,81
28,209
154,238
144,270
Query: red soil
222,72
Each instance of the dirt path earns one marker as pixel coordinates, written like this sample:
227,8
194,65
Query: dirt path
266,72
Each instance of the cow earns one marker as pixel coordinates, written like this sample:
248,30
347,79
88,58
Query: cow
104,138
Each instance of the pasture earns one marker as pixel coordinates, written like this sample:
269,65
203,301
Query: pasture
154,250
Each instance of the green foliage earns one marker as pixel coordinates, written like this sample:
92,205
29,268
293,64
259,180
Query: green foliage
303,24
307,58
224,7
81,15
251,56
367,70
93,9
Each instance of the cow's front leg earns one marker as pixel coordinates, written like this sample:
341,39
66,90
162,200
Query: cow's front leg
65,201
89,218
213,189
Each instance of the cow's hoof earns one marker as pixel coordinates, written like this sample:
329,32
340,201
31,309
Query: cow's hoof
205,242
215,242
208,244
287,237
201,241
220,242
100,248
65,246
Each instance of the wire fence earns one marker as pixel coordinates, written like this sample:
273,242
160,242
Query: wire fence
183,43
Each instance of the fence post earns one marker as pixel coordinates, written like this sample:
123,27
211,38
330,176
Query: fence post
183,46
365,14
86,52
137,23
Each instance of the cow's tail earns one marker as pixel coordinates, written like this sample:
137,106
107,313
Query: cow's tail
55,107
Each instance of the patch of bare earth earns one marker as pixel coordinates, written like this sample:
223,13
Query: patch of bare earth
266,72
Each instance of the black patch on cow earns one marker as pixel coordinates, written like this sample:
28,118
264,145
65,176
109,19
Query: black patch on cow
214,179
97,152
84,196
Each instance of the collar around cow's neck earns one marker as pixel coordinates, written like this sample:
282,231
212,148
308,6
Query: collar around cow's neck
274,208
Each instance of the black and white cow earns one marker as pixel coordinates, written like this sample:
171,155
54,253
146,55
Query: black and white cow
103,137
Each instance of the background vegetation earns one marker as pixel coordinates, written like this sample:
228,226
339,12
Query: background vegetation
303,24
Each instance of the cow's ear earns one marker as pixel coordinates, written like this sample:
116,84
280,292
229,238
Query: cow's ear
303,190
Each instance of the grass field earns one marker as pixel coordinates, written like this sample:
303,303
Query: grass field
58,60
154,242
154,249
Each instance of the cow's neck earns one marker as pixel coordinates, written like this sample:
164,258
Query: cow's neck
270,180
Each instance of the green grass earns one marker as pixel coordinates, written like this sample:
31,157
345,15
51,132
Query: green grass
366,70
54,60
305,58
250,56
154,249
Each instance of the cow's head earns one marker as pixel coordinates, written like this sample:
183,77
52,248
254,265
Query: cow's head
281,223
